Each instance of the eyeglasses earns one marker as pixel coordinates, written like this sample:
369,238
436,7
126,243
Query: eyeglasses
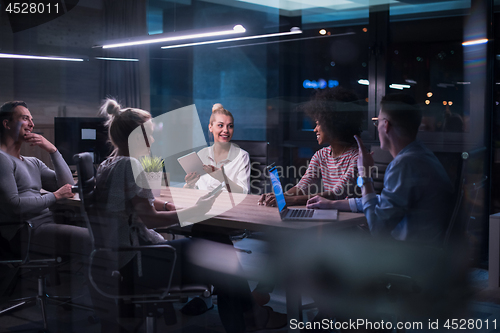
375,121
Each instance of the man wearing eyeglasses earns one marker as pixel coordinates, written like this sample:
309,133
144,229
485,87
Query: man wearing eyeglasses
416,200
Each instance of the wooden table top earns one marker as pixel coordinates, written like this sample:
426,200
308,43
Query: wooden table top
246,214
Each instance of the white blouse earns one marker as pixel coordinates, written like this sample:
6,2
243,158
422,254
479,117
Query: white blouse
236,168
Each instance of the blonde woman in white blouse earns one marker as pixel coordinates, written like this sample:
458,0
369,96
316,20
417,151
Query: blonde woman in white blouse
235,160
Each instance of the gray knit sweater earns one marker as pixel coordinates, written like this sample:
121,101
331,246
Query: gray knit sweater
20,185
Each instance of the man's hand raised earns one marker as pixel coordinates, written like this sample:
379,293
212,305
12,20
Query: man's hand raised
39,140
365,159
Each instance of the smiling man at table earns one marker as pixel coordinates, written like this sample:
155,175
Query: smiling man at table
415,203
22,178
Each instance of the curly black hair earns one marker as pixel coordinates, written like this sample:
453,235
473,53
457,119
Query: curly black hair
338,113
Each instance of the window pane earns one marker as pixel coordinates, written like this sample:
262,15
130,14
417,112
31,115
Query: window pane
429,65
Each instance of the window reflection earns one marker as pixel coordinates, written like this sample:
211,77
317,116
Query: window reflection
432,68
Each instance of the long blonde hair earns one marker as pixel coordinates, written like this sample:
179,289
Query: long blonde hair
121,122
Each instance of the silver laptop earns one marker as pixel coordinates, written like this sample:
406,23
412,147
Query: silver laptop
295,214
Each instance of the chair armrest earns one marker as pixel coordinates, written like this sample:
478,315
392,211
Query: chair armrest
115,274
398,283
21,224
177,230
141,247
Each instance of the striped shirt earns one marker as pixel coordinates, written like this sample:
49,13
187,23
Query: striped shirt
337,173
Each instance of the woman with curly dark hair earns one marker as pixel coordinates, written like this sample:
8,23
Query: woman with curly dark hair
338,118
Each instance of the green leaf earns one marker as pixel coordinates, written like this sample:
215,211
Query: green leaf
152,163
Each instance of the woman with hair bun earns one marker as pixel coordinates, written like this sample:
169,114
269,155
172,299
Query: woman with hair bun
123,202
235,160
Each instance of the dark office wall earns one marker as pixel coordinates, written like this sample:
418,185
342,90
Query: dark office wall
53,88
171,70
237,79
204,75
234,77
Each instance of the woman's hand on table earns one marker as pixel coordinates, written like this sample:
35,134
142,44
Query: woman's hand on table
318,202
267,199
204,203
171,207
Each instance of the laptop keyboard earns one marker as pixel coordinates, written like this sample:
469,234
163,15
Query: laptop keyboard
302,213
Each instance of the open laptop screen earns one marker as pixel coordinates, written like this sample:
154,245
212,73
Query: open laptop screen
278,190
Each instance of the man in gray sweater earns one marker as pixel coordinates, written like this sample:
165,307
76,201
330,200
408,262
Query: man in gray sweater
22,178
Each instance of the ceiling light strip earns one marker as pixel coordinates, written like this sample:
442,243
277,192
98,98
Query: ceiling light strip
284,41
23,56
238,29
294,32
117,59
399,86
475,42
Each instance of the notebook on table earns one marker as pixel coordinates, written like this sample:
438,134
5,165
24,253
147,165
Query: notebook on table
297,214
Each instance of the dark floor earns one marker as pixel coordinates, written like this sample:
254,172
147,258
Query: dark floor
485,305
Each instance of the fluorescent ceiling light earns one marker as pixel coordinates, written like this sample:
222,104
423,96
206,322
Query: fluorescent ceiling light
475,42
22,56
117,59
294,31
399,86
445,85
237,29
284,41
292,5
364,82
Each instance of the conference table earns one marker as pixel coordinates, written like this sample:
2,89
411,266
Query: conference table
241,212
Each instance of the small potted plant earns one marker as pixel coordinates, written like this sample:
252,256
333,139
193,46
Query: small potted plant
153,167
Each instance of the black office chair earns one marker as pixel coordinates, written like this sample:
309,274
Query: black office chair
382,158
104,278
258,152
401,289
454,243
20,260
466,199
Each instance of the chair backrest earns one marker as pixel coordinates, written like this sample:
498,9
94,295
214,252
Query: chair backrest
466,198
382,158
105,274
85,187
102,231
258,151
